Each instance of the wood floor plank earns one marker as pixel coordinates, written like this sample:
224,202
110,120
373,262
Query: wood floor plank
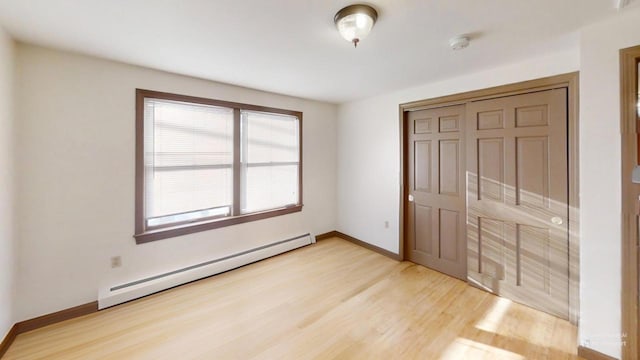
330,300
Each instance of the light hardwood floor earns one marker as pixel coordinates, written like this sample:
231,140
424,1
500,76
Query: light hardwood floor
331,300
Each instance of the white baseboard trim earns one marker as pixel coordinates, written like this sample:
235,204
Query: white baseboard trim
136,289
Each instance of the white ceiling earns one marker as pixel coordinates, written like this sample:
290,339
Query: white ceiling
292,46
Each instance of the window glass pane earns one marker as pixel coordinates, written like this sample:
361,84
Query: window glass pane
269,187
270,161
178,191
188,157
270,137
189,216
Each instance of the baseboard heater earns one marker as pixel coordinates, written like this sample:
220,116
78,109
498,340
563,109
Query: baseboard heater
153,284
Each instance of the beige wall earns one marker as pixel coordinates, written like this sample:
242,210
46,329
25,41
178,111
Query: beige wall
75,165
76,172
369,145
7,235
600,179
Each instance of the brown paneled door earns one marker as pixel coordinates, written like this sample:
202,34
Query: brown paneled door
517,198
435,227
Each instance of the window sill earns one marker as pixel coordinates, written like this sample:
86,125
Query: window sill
169,232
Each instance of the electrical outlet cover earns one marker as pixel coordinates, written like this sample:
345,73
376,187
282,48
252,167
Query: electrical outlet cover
116,261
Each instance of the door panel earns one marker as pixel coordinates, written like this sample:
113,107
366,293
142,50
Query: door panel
532,161
491,235
423,230
517,198
449,239
422,155
435,225
449,167
534,258
491,169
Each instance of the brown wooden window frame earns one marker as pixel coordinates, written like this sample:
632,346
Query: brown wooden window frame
145,234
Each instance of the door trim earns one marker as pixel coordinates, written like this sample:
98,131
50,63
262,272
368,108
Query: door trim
628,99
569,81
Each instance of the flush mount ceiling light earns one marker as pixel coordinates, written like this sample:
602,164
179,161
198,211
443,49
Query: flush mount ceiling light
459,42
354,22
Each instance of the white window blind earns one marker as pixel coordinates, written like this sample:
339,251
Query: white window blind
270,160
203,164
188,161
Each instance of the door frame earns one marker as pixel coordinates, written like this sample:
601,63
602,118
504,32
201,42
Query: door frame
629,59
569,81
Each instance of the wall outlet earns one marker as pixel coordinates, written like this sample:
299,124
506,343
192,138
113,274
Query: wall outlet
116,261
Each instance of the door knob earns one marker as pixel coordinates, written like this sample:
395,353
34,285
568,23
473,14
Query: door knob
410,197
557,220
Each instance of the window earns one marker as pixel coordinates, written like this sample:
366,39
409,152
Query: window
203,164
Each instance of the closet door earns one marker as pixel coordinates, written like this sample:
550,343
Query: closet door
517,198
435,206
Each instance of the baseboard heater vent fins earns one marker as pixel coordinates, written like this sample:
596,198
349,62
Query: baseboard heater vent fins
142,287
